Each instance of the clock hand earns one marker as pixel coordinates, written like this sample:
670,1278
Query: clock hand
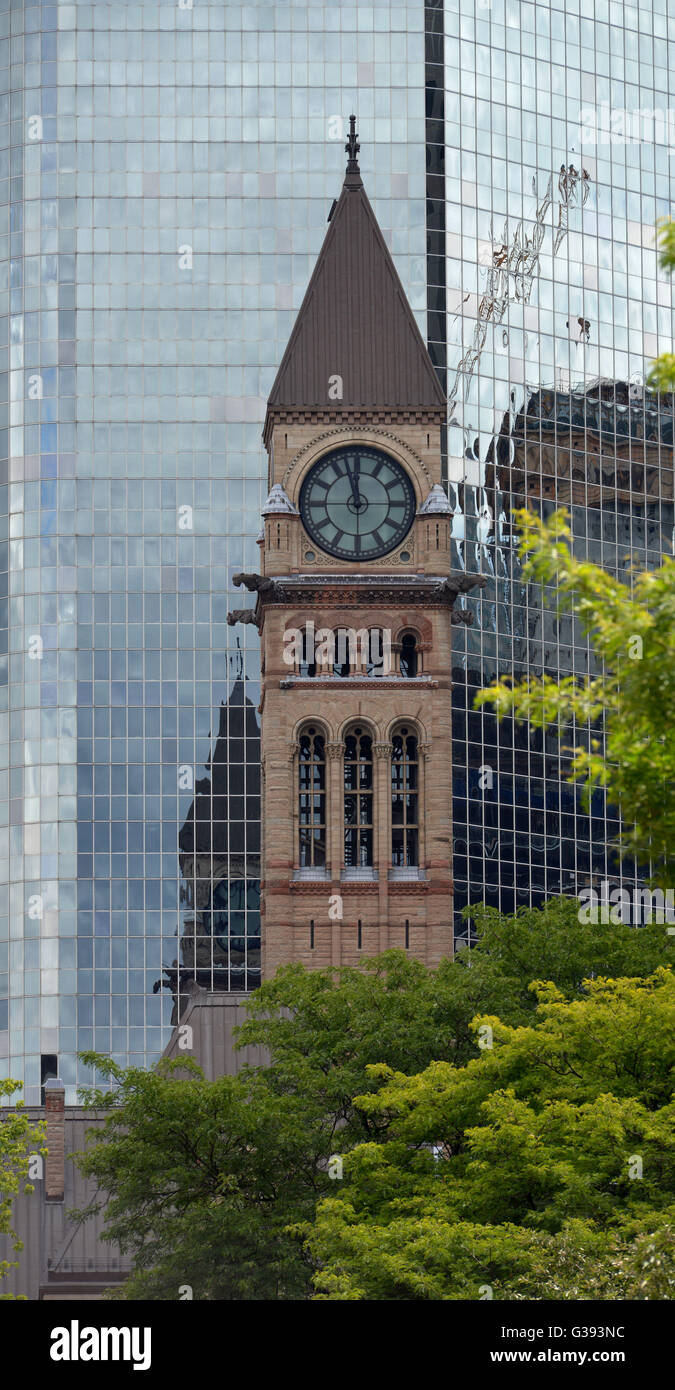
354,485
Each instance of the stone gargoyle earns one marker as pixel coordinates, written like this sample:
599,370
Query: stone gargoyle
241,615
255,583
461,584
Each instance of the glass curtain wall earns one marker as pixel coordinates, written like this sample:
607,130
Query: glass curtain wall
559,123
166,172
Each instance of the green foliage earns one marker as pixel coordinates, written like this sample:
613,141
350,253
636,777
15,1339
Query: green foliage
203,1179
19,1138
666,243
207,1181
519,1171
633,634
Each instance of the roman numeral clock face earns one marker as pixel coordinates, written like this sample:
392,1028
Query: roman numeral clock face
357,503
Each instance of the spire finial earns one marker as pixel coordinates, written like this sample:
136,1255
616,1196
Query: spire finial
352,147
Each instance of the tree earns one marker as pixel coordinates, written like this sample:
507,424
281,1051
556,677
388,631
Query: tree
206,1178
203,1179
633,635
544,1168
19,1138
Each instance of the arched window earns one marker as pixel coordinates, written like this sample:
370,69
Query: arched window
404,817
307,660
379,652
343,658
358,799
409,655
312,799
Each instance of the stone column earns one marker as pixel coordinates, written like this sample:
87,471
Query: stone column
382,828
55,1140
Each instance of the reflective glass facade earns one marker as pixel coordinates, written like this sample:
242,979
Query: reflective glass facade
167,174
166,171
554,307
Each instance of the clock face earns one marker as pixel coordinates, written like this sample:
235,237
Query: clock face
357,503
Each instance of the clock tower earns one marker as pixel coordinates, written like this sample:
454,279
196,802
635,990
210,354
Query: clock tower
355,607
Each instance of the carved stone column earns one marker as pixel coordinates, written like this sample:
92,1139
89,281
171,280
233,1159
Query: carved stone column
293,748
382,830
423,754
334,800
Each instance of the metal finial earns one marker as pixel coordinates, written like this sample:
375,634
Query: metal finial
352,147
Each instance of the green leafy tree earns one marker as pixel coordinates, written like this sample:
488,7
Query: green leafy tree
205,1178
544,1168
202,1179
633,635
19,1138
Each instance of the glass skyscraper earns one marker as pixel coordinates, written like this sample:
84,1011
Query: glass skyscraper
557,169
166,172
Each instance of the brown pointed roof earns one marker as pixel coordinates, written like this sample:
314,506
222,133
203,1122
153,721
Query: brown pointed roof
355,322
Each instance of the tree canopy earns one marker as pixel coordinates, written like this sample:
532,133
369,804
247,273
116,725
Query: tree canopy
214,1187
536,1170
19,1139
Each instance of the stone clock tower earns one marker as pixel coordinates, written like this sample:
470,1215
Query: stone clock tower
355,611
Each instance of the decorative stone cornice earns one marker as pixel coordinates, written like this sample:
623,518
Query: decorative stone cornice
368,590
367,886
369,683
341,417
316,885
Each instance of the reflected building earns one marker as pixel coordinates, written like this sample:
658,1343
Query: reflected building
604,452
219,945
607,449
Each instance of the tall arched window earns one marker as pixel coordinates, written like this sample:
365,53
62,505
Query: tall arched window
404,810
409,656
358,799
343,658
312,799
379,651
307,661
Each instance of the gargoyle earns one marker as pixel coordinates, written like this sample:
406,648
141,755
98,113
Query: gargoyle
255,583
461,616
241,615
461,584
